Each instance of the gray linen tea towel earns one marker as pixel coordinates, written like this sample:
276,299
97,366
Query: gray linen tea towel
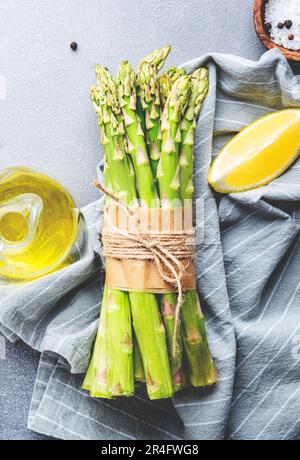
247,276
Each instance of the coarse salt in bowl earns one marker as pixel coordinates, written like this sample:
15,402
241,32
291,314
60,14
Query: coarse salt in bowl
284,13
277,23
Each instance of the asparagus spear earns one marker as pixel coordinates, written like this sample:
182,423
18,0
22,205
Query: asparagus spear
112,131
169,182
150,104
168,305
201,368
168,178
96,379
151,337
116,343
119,343
168,167
156,58
144,307
199,88
135,136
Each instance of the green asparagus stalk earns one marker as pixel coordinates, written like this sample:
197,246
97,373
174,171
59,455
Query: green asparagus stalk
156,60
199,88
168,178
119,343
201,368
144,307
168,168
136,146
96,379
169,181
150,102
147,82
119,330
169,301
168,305
151,337
105,101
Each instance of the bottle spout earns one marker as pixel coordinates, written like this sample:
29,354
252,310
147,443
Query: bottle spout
19,220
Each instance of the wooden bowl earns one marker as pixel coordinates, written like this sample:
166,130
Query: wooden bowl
259,13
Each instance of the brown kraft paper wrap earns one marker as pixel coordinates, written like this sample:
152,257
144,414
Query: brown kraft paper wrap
171,225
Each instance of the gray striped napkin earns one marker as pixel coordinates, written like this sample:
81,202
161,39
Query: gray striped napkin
248,278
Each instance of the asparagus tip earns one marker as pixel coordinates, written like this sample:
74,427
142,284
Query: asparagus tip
157,58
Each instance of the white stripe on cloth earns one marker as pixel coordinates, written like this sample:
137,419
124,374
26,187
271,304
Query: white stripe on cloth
236,102
236,399
204,140
277,323
215,422
77,412
223,283
234,92
263,399
272,293
79,275
233,248
277,413
200,403
61,427
254,258
45,314
238,122
239,222
291,429
117,409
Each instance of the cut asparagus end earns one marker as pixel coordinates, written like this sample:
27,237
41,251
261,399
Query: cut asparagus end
151,338
200,365
96,380
168,305
119,344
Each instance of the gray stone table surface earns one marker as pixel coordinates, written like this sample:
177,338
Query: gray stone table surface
46,119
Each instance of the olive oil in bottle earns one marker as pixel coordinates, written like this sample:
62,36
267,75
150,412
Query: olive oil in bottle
38,224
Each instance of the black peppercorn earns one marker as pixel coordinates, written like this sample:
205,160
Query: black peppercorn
280,25
268,26
288,23
74,46
291,37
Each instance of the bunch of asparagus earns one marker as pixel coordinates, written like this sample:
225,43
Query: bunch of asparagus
147,125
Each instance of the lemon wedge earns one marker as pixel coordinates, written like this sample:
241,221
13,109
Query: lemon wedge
258,154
